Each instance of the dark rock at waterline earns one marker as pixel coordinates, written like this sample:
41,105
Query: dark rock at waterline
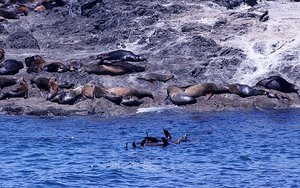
22,39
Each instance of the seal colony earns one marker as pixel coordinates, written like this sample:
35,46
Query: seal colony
69,94
160,67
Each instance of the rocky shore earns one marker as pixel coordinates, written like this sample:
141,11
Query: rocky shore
196,41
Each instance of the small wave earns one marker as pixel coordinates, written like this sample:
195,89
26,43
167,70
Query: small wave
156,109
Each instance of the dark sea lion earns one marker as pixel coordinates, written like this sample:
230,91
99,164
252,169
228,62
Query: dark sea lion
178,96
8,14
122,91
245,90
20,91
278,83
2,55
203,89
66,85
163,142
131,101
113,69
69,96
55,67
156,77
10,67
35,63
121,55
41,82
53,88
7,81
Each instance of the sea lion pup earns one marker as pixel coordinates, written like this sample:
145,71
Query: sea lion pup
205,89
245,90
278,83
10,67
69,96
2,55
53,88
56,67
35,63
20,91
113,69
7,81
178,97
121,55
125,92
151,77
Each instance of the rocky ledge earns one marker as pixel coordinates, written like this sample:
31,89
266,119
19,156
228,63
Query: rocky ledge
196,41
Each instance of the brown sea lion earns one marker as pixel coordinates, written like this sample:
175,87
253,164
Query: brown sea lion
69,96
205,89
121,55
112,69
150,77
53,88
178,97
35,63
20,91
100,91
10,67
7,81
122,91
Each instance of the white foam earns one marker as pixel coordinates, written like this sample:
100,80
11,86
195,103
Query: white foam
156,109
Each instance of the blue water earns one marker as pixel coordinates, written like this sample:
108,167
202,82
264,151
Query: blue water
226,149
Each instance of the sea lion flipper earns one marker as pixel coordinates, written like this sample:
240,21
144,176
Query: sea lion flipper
209,95
133,144
143,143
167,134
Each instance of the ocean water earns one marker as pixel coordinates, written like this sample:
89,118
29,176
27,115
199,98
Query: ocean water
225,149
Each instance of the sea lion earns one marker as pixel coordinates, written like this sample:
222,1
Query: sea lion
10,67
8,14
131,101
163,142
53,88
178,96
41,82
55,67
69,96
245,90
205,89
121,55
2,55
113,69
7,81
20,91
150,77
278,83
100,91
122,91
35,63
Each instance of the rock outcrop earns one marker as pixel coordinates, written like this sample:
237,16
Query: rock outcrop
196,41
